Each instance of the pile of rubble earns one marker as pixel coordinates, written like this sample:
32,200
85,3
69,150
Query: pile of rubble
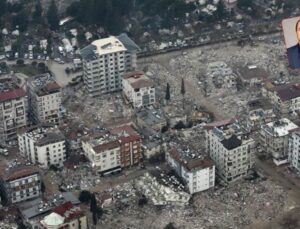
160,194
232,207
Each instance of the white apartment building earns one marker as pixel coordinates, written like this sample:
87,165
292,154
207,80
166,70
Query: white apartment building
105,61
43,145
20,183
230,148
294,149
138,89
45,98
198,173
285,98
274,138
13,109
103,153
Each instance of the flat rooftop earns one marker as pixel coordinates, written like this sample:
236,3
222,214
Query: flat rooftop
108,45
138,80
190,158
43,84
280,128
44,134
9,89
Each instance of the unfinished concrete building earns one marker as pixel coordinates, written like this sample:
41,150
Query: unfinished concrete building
105,61
13,109
274,138
138,89
45,99
198,171
231,148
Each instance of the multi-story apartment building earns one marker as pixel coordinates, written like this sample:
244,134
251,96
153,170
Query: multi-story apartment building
130,145
231,148
45,99
197,171
105,61
274,139
113,150
138,89
285,98
64,216
294,149
103,152
13,109
43,145
20,183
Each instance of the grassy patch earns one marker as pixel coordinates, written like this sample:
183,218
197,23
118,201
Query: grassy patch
26,69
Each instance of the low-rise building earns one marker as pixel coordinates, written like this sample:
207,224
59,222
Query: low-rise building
13,109
19,184
231,148
285,98
43,145
274,139
45,99
138,89
197,171
65,216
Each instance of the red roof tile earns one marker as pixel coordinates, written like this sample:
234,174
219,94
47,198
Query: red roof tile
218,123
13,94
68,211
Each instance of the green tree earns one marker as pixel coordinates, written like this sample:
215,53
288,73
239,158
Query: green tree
43,187
221,12
93,203
244,4
85,196
37,14
170,226
182,90
52,16
168,94
95,218
3,7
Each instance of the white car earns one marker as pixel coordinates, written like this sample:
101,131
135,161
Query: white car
2,57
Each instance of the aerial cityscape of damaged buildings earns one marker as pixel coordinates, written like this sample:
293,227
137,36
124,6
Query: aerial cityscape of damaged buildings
164,130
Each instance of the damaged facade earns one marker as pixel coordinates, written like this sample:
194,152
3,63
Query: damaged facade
231,148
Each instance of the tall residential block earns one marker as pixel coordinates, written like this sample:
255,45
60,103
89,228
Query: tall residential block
105,61
231,148
43,145
13,107
45,97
